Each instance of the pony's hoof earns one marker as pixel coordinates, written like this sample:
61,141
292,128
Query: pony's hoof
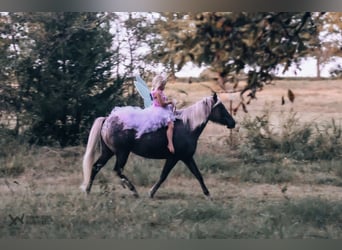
209,198
151,193
124,183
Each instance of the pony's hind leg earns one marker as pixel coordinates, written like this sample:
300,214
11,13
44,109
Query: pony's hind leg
106,154
121,160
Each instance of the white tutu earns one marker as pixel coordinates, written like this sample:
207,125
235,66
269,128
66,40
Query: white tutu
143,120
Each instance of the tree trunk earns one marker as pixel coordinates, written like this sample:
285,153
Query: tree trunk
318,67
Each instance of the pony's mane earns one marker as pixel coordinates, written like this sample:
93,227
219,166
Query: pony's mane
196,114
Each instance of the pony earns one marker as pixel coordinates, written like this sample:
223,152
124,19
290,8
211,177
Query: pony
109,132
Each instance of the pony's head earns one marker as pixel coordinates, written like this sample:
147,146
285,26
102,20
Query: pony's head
219,113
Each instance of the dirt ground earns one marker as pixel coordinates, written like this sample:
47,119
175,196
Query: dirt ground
314,99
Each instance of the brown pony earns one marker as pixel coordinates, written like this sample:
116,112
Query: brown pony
115,140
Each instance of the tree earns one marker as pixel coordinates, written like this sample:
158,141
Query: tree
330,39
72,73
173,33
232,42
133,31
14,52
67,73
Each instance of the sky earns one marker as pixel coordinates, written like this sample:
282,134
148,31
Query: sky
308,69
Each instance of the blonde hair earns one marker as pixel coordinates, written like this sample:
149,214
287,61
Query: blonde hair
196,114
158,81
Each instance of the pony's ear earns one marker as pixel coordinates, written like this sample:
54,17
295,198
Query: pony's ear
215,97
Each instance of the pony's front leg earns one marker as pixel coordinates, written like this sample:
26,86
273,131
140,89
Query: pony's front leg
118,168
169,164
191,164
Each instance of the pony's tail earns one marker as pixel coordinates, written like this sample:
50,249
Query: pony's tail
88,159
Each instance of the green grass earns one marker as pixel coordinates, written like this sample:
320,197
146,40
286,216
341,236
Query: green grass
71,215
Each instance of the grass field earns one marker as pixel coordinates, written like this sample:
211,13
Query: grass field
267,181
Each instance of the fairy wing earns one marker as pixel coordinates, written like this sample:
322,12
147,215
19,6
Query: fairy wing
144,91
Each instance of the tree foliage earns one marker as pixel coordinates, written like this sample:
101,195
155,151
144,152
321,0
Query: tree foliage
15,50
170,42
330,40
131,47
65,73
232,42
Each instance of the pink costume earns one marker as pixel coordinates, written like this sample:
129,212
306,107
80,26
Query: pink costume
145,120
